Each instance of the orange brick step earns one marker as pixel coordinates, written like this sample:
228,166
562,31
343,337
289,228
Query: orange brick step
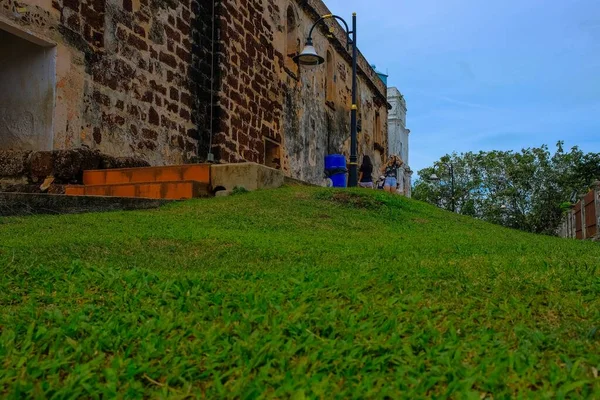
151,190
172,173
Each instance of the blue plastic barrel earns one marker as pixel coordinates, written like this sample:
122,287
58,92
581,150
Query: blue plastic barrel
339,181
335,161
335,168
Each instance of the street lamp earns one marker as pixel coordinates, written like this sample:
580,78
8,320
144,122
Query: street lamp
309,56
434,177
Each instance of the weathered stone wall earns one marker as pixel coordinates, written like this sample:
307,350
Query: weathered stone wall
133,78
250,101
132,75
265,100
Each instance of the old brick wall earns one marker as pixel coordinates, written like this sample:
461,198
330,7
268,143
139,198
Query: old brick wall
265,100
133,76
250,103
133,79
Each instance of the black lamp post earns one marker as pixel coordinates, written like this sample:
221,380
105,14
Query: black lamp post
434,177
309,56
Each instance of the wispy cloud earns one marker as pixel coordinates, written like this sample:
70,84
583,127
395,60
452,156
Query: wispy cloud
450,100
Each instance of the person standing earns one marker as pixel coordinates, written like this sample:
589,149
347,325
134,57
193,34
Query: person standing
365,179
390,171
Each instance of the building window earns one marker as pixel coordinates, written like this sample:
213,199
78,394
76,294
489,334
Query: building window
330,79
272,154
292,42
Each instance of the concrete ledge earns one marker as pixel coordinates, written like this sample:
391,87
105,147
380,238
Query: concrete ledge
13,204
250,176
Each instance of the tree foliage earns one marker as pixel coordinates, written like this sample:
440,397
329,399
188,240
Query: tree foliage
526,190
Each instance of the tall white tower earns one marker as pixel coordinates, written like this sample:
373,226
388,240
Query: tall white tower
398,136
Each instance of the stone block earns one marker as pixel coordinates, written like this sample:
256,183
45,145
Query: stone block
13,163
41,165
70,164
250,176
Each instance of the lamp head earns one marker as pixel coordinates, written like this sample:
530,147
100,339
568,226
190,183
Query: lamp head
309,55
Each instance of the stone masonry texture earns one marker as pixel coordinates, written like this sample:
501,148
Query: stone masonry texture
132,75
133,78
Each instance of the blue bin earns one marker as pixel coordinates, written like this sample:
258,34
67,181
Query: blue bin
335,161
335,169
339,181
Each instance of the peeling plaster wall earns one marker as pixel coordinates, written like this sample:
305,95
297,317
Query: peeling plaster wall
264,95
26,94
132,76
333,117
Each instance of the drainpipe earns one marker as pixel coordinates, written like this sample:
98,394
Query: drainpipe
210,157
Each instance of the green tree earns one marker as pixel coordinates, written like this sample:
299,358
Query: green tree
524,190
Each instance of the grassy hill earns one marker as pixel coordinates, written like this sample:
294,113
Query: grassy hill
297,292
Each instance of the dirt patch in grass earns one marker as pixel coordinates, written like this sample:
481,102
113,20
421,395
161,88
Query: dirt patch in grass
301,195
350,199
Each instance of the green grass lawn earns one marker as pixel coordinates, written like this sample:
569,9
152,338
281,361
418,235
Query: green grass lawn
297,292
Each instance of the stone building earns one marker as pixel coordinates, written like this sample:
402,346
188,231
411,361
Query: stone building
398,137
136,78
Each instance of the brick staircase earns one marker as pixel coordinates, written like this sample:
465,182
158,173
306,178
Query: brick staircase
172,182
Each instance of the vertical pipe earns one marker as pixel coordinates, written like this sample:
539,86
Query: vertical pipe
353,177
210,156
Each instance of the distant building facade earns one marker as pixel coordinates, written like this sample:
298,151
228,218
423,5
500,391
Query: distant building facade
398,137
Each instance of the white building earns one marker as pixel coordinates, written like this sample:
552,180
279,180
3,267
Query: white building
398,137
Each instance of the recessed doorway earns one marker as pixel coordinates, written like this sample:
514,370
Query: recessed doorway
27,90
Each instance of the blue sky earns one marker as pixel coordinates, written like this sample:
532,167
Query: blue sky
483,75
